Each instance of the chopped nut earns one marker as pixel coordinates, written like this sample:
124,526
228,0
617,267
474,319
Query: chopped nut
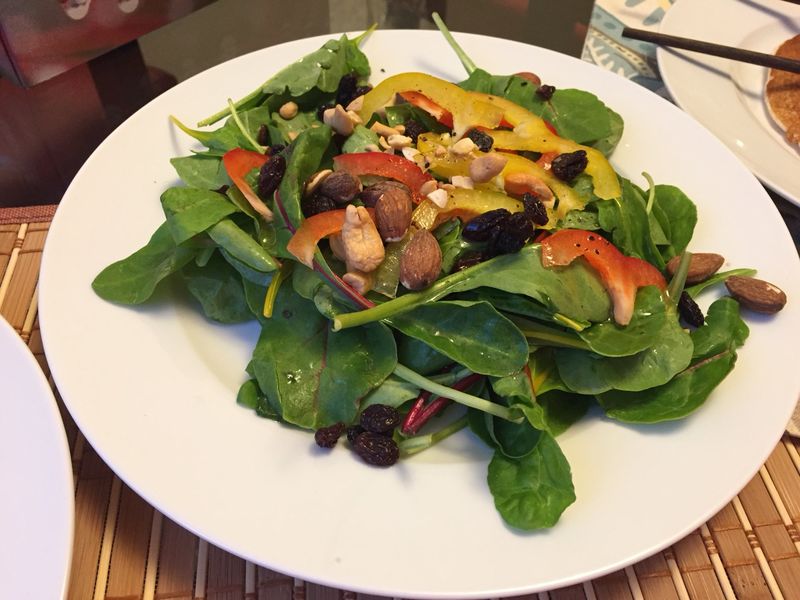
382,129
520,183
354,117
372,148
315,180
356,104
359,281
340,186
393,213
428,187
701,266
438,197
362,242
337,246
410,153
460,181
292,135
384,144
485,167
398,141
288,110
439,151
400,128
338,119
463,147
756,294
421,261
449,187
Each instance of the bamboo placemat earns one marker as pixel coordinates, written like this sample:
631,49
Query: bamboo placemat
125,549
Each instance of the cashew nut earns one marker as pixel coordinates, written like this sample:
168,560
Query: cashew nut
485,167
338,119
359,281
463,147
363,247
520,183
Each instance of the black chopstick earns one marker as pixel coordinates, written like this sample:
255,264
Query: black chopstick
748,56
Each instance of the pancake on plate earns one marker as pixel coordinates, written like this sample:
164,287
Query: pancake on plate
783,92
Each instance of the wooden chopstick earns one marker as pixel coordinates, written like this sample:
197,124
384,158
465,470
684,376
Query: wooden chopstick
748,56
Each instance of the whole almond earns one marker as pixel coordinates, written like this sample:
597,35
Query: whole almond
393,213
701,266
421,261
756,294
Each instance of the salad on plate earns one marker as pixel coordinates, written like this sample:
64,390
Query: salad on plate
425,256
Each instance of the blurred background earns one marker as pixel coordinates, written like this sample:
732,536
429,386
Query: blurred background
72,70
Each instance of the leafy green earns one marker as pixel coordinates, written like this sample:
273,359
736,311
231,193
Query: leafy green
563,409
419,356
359,140
192,211
533,491
218,289
677,216
318,377
201,171
229,236
133,280
716,279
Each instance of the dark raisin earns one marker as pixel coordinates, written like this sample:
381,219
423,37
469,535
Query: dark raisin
223,189
689,311
569,165
361,90
480,228
376,449
470,259
545,92
340,186
534,208
413,129
514,232
345,93
262,137
321,110
353,432
276,149
316,204
326,437
379,418
269,178
482,139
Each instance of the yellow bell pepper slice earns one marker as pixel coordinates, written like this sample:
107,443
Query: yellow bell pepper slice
449,165
531,133
467,111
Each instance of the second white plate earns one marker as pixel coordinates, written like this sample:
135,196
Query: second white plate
726,96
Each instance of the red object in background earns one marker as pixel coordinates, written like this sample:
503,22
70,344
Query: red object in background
44,38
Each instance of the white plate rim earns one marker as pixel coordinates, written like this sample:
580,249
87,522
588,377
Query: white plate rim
51,536
472,42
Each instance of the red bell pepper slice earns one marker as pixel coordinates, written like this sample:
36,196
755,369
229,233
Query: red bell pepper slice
445,117
384,165
303,243
621,275
238,163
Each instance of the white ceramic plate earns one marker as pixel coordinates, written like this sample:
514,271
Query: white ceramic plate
727,96
153,388
36,505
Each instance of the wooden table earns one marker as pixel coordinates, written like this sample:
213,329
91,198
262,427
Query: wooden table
125,549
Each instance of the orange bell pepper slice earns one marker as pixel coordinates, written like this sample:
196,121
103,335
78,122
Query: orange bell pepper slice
621,275
303,244
238,163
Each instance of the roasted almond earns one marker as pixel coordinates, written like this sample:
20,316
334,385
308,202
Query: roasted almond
393,213
421,261
702,265
756,294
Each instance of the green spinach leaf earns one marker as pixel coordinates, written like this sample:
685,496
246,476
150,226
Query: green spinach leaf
192,211
218,289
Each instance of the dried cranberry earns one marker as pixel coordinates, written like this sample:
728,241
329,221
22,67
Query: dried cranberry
326,437
361,90
353,432
376,449
569,165
262,137
269,178
345,93
545,92
480,228
689,311
482,139
413,129
316,204
276,149
379,418
534,209
468,260
514,232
